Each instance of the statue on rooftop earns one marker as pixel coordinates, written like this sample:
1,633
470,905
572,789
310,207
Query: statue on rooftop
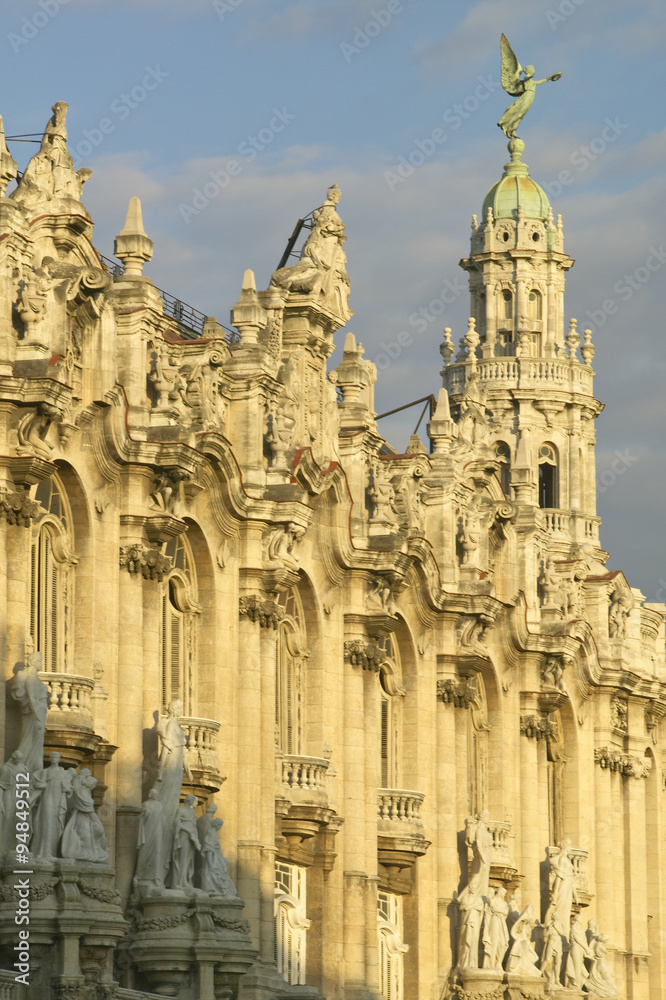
524,89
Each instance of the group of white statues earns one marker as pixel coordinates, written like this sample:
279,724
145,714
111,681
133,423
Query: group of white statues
493,934
175,850
61,821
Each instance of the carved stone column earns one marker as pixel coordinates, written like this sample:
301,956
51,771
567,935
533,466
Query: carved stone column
531,841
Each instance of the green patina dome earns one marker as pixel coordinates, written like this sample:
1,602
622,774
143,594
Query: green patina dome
516,189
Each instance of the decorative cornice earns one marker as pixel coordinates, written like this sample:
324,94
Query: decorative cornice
457,692
264,610
624,763
538,727
150,562
364,653
18,508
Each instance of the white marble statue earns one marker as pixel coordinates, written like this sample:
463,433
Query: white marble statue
8,773
83,838
551,958
471,905
322,267
600,982
52,786
563,893
213,869
154,842
576,973
173,761
495,929
185,845
32,694
480,839
523,958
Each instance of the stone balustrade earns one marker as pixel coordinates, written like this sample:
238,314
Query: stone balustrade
200,742
503,837
399,808
303,779
556,521
69,694
521,373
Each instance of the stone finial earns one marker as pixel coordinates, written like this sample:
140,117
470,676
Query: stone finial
471,339
132,245
588,348
441,428
475,223
447,348
489,217
8,168
248,315
550,218
573,339
353,372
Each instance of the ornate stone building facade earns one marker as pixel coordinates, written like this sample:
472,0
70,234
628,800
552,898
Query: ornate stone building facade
429,717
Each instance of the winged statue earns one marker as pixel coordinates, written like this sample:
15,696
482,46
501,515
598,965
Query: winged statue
523,88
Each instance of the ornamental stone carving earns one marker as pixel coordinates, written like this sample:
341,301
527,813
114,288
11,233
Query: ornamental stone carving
364,653
144,559
619,712
267,612
457,692
623,763
538,727
17,507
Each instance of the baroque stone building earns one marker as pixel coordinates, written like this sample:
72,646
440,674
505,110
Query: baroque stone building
429,717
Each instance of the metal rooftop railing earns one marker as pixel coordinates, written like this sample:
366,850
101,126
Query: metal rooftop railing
190,320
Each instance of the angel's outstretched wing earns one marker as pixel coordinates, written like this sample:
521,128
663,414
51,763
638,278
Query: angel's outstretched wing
510,70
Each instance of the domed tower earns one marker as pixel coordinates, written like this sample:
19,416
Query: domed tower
537,388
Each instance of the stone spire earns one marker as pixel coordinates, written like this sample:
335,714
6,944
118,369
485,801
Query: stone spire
248,315
8,169
132,245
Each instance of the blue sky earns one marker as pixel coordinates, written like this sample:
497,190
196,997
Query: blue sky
301,94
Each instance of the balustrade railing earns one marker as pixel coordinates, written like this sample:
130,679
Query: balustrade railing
522,372
69,693
303,777
398,805
502,834
557,521
200,740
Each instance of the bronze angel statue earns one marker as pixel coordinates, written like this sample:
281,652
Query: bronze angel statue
523,89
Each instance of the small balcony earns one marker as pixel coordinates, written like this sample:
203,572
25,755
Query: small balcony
200,743
303,779
302,800
400,837
556,521
69,722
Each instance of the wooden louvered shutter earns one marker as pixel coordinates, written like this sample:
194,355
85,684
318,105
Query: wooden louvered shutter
384,750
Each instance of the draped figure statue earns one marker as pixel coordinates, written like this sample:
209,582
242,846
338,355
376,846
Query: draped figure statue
173,761
83,838
32,694
524,89
153,843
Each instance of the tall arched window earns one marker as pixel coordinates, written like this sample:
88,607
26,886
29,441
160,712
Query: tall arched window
534,304
391,948
291,923
51,578
179,610
507,305
390,694
548,478
292,654
503,455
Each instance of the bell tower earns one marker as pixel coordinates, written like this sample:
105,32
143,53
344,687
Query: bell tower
528,363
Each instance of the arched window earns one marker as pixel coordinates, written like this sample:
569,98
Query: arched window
179,610
390,694
534,304
507,305
51,577
503,455
548,484
391,948
292,654
291,924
